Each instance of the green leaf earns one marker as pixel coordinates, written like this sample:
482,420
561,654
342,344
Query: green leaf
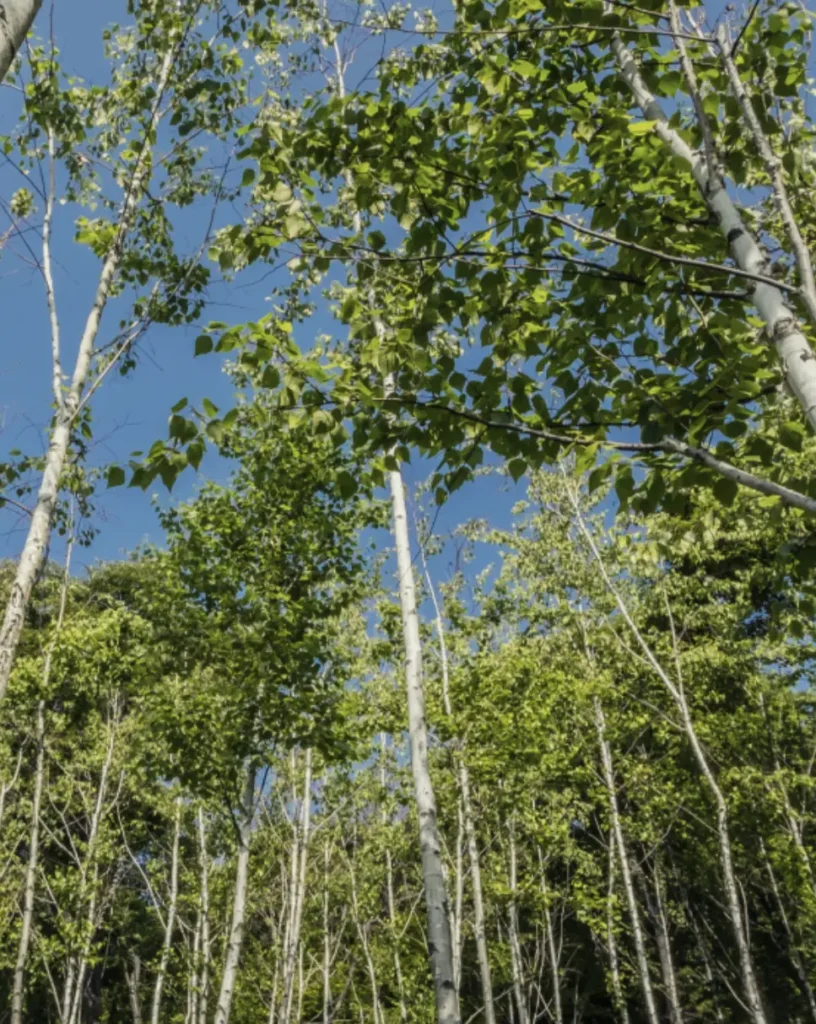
115,476
641,127
203,344
725,491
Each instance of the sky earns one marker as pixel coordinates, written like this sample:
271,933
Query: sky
130,413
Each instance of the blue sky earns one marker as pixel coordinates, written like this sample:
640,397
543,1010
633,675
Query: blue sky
130,413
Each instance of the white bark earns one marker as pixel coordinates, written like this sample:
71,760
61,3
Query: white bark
463,779
362,934
327,959
672,992
794,352
89,880
389,892
204,981
170,921
134,982
738,922
300,842
436,900
235,938
512,929
552,947
773,168
34,835
611,939
31,874
16,19
39,532
623,861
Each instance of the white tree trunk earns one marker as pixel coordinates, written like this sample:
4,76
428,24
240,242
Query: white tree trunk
34,835
89,880
512,928
31,874
204,980
739,925
134,983
39,531
436,900
16,20
235,938
664,949
623,860
389,892
170,923
611,939
463,779
553,948
300,854
794,352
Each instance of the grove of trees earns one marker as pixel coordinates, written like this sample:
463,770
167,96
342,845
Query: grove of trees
309,758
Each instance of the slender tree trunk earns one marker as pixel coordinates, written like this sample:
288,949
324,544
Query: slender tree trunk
773,168
204,984
737,919
512,928
34,834
134,983
31,873
75,976
192,985
327,960
794,352
702,946
362,934
463,780
170,923
389,892
664,947
795,955
300,854
623,860
15,24
436,900
235,938
39,532
552,947
611,939
456,927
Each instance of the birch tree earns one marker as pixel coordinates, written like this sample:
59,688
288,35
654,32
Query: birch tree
73,129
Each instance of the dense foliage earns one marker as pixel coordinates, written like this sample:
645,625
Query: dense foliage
249,773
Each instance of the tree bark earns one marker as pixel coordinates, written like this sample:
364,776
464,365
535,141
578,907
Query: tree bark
623,861
389,893
512,928
300,854
436,900
31,872
15,23
611,939
236,931
34,835
463,779
170,923
794,351
204,982
39,531
738,921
